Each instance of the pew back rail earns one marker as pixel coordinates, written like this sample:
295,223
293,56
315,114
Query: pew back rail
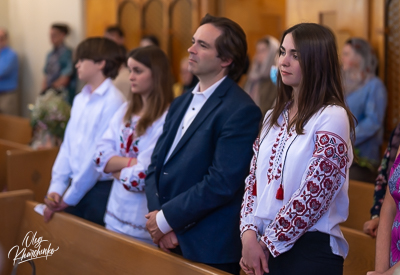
86,248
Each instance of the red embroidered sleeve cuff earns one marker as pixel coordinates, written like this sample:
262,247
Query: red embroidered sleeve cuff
246,227
271,246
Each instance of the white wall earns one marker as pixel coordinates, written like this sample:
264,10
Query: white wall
4,18
29,25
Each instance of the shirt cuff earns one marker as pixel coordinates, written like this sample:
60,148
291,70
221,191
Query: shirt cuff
162,223
57,188
72,196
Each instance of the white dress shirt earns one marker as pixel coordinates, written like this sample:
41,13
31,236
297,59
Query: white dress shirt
90,116
127,203
198,100
313,169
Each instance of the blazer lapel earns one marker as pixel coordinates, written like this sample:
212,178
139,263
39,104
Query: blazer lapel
206,110
176,121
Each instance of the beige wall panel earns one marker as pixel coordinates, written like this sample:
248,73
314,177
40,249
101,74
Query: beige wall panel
153,19
377,32
299,11
4,14
181,32
257,18
29,25
99,15
129,20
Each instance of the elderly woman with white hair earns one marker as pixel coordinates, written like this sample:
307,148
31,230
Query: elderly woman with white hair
367,99
259,84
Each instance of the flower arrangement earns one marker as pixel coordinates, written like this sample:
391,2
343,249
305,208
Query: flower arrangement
49,118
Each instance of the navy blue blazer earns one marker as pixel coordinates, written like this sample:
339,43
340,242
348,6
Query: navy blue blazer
200,187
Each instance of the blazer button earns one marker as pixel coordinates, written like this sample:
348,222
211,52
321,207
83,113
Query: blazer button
165,173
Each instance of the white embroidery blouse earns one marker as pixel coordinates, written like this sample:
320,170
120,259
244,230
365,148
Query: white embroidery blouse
127,204
313,171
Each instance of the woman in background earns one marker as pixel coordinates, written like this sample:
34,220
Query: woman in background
366,97
259,84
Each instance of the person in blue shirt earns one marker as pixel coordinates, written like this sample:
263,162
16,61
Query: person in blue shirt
366,97
8,76
59,69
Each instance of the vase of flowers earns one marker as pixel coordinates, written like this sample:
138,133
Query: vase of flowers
49,118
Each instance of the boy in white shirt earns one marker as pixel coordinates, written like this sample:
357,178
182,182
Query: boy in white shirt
76,187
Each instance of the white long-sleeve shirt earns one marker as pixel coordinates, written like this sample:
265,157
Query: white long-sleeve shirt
127,203
90,115
313,170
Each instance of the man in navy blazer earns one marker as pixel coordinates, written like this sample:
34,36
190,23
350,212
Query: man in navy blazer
195,183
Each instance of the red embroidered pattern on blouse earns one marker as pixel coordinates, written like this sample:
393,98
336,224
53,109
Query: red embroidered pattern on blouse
129,141
250,191
326,173
97,158
136,184
275,161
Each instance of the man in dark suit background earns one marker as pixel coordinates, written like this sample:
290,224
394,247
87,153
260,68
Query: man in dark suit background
195,183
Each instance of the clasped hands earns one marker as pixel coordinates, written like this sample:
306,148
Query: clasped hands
165,241
255,254
54,203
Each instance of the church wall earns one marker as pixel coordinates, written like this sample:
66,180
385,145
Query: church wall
29,25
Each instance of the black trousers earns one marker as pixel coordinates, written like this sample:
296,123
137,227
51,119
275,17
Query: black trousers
93,205
233,268
310,255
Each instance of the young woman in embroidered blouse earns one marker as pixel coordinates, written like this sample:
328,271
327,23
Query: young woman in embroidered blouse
126,147
296,193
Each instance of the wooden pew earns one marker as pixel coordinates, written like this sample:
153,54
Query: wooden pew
12,206
361,257
87,248
15,128
36,173
361,196
6,145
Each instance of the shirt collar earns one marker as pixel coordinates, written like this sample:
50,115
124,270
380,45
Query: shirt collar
104,86
209,91
58,48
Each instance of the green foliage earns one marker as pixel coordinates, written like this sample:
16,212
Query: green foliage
51,113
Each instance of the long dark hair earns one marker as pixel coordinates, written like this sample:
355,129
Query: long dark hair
321,83
161,96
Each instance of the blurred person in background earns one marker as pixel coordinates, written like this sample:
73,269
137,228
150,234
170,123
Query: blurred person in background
370,227
59,70
149,40
367,98
187,79
8,76
116,34
259,84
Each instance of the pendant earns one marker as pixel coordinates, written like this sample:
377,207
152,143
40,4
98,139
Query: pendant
279,193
